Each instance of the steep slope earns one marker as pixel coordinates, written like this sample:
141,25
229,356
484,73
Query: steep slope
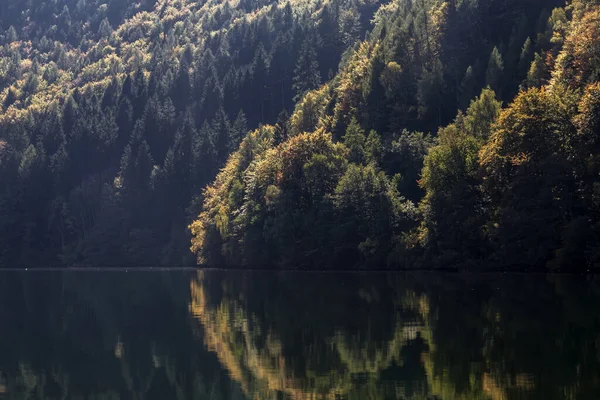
114,115
510,188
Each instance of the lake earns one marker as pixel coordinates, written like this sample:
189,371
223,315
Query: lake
291,335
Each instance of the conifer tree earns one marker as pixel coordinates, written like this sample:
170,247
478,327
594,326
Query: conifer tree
306,73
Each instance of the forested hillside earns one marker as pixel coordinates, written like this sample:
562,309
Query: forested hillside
459,133
114,115
301,133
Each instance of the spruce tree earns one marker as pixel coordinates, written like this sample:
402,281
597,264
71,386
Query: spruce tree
306,73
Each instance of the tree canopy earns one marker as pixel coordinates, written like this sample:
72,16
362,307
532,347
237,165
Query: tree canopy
300,133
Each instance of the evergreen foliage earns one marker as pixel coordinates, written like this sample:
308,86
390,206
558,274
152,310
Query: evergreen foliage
433,132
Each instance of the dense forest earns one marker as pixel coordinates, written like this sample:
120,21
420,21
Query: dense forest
115,115
301,133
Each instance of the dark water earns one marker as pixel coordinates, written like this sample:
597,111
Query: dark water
215,335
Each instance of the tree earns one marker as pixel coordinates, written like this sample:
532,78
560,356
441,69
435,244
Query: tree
51,73
538,72
238,130
578,62
143,167
369,212
181,90
481,114
105,30
467,87
205,152
587,143
355,139
282,130
373,148
526,57
528,175
111,94
11,98
285,197
429,95
329,32
221,128
64,22
260,73
495,69
451,209
306,73
349,27
11,35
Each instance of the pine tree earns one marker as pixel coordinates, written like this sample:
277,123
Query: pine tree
181,90
349,27
260,81
429,95
238,131
329,32
355,139
306,73
525,57
105,30
50,74
10,99
11,35
70,114
205,154
143,167
468,86
183,160
111,94
222,131
282,130
538,71
495,70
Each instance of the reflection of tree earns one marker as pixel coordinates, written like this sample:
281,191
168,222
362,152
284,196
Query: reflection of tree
402,336
405,336
103,336
328,357
512,337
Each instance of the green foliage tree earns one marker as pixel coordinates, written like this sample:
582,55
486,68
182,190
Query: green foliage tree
495,69
282,130
529,153
371,215
306,73
11,98
11,35
468,86
481,114
239,129
526,56
450,226
355,139
349,27
538,72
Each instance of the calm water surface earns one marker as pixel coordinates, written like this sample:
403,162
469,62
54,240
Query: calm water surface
234,335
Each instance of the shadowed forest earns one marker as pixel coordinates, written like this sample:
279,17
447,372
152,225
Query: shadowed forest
300,134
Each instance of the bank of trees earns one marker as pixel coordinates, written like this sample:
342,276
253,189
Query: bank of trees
508,181
114,116
348,133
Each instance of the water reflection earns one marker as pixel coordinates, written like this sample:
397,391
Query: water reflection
210,335
408,336
104,336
